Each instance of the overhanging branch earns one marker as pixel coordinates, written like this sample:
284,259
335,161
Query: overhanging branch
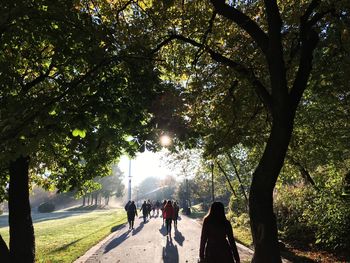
247,73
244,22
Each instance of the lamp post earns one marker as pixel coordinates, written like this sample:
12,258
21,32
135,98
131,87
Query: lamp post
129,189
165,141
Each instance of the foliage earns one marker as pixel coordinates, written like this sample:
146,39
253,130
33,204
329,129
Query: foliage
156,189
322,216
75,88
46,207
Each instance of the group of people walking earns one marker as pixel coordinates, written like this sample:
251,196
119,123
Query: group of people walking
217,243
169,211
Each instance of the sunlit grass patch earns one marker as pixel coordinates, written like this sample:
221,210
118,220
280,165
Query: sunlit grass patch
65,239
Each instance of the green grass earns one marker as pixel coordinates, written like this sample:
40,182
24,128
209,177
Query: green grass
243,235
65,239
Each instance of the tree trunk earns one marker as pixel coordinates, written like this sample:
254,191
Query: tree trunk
96,198
4,251
84,200
262,218
22,242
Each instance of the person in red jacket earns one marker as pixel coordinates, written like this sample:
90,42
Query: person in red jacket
168,215
217,241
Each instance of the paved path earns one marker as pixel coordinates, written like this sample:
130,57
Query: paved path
148,243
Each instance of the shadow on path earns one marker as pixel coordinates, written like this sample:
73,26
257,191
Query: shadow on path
296,258
116,242
170,252
138,229
179,238
162,229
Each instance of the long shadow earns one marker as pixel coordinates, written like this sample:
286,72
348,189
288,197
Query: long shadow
75,241
296,258
162,229
138,229
170,252
116,242
179,238
68,245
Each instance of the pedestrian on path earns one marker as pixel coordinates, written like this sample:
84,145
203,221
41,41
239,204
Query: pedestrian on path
162,209
214,246
176,213
144,209
132,211
168,215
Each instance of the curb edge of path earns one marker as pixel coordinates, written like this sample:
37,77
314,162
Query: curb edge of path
94,249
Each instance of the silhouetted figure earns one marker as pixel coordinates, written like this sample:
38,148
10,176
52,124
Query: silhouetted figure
176,213
149,208
144,209
168,215
127,205
162,209
214,246
157,207
132,211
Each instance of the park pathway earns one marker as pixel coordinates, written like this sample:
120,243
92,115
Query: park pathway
148,243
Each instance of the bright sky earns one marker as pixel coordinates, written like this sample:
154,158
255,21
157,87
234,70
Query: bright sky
144,165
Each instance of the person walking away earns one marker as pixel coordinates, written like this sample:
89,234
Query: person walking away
176,213
132,211
127,205
157,207
144,209
216,229
153,203
168,215
162,209
149,208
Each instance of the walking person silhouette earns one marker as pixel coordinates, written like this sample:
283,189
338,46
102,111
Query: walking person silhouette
217,242
168,215
131,212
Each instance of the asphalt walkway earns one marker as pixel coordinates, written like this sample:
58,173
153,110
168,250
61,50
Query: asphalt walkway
148,243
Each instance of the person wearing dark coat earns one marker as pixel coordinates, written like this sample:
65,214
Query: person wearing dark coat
144,209
132,211
217,242
176,213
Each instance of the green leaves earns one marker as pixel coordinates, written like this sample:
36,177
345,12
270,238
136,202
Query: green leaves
78,132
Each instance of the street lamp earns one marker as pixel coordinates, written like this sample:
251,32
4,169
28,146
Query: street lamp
212,181
165,141
129,190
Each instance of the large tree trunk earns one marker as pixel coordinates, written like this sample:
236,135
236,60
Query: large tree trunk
4,251
22,245
262,218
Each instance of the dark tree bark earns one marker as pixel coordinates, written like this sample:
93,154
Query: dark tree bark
84,200
4,251
262,218
22,241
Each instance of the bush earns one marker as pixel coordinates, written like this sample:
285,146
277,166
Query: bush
322,216
46,207
1,212
237,205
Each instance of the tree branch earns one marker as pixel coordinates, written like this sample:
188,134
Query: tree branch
243,21
227,179
238,176
260,89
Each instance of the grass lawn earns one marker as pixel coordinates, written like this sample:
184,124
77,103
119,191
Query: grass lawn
65,239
